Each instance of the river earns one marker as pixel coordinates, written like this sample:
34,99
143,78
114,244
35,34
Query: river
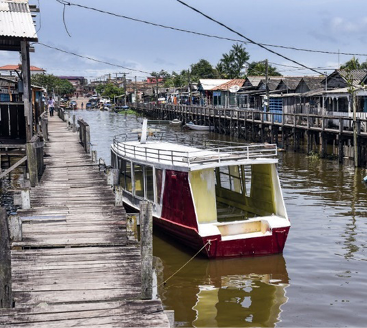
319,280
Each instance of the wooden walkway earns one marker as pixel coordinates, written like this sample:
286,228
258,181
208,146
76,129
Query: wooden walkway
74,266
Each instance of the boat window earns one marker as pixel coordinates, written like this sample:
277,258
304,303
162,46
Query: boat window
231,178
247,178
125,175
149,183
138,180
158,178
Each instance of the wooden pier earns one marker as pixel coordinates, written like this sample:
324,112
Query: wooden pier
74,266
289,130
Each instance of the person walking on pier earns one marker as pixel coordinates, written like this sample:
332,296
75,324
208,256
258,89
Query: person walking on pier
51,106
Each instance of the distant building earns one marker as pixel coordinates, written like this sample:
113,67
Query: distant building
79,83
10,70
151,80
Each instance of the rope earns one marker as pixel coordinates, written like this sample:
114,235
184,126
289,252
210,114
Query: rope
164,282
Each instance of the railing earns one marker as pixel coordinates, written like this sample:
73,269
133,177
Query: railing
334,123
84,135
208,152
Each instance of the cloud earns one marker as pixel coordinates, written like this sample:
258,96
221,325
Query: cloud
162,61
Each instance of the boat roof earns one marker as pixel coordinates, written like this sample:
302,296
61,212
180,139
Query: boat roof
191,158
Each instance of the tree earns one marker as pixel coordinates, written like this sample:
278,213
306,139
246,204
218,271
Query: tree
231,65
109,90
52,84
202,70
259,68
352,64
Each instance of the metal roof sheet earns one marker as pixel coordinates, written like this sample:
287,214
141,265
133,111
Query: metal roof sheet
208,84
16,20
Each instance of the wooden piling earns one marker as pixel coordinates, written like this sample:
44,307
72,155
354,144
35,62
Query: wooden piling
6,297
146,230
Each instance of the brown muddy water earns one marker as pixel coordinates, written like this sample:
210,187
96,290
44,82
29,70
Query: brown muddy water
319,281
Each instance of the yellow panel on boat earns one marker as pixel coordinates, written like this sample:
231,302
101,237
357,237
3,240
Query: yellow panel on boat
203,190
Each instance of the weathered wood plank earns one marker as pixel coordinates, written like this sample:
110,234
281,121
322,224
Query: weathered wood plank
75,266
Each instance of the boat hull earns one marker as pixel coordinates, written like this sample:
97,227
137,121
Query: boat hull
199,127
214,247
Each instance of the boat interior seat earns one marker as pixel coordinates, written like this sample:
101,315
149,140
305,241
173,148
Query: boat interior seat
226,212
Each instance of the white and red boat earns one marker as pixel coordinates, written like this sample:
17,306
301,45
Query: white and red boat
224,200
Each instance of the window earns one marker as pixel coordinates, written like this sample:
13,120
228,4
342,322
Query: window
149,183
138,180
158,179
247,178
125,175
231,178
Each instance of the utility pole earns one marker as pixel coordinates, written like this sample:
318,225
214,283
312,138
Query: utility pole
267,84
157,87
136,94
355,138
189,102
125,87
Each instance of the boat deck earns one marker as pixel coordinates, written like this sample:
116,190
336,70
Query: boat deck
192,157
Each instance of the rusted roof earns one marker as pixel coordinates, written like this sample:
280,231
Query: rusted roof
16,20
16,67
226,86
209,84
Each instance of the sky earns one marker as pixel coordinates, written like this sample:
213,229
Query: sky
327,25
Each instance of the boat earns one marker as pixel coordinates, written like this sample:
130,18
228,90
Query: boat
197,127
175,122
224,200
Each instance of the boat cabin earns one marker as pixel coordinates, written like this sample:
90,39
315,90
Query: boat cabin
213,193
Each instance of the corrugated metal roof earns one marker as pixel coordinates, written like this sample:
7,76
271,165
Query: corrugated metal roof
227,85
16,20
208,84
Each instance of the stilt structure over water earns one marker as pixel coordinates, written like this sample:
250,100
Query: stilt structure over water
314,133
72,264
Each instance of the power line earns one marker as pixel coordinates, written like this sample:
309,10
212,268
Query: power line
207,35
93,59
246,38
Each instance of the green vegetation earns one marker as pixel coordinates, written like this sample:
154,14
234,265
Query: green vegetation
52,84
259,68
109,90
354,64
230,66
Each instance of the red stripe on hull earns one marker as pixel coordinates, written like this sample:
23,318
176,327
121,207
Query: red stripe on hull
257,246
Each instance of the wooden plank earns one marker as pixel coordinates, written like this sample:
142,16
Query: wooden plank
20,162
75,266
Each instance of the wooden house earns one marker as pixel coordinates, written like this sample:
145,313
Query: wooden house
15,35
227,93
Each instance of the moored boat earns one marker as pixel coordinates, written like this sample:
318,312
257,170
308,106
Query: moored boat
222,199
197,127
175,122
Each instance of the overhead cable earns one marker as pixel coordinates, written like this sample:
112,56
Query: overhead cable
246,38
208,35
91,58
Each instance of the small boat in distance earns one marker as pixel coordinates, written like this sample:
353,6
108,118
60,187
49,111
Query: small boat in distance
175,122
196,127
223,199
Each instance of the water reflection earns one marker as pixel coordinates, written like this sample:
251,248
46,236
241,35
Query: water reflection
241,292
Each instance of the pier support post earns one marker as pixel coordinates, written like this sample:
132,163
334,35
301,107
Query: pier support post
15,228
74,124
44,128
26,199
32,163
94,156
146,225
6,297
113,176
118,196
